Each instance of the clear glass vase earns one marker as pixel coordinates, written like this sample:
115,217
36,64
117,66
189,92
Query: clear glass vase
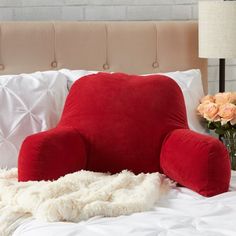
229,139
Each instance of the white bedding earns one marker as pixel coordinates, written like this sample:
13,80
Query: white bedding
182,213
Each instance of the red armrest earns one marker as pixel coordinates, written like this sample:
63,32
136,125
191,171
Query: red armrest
51,154
196,161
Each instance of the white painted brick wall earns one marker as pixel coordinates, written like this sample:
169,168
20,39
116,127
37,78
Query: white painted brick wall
114,10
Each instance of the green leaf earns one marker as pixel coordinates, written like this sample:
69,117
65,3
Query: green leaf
219,131
218,124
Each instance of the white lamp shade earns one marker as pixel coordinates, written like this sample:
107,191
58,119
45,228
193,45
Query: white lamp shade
217,29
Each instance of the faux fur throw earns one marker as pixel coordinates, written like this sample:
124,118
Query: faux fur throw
77,196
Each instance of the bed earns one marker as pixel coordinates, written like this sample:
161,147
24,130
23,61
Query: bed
132,47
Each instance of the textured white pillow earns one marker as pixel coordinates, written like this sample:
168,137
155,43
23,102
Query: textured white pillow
189,81
29,103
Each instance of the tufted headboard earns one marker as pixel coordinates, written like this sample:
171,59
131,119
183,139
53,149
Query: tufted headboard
132,47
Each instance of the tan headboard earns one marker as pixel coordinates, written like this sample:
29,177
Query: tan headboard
132,47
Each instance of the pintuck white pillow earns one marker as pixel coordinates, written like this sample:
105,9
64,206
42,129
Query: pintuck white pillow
189,81
29,103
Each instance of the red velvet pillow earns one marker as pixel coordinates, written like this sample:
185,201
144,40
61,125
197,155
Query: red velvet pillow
113,122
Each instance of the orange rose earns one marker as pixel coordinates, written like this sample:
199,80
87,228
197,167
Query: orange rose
210,111
207,99
201,108
227,112
222,98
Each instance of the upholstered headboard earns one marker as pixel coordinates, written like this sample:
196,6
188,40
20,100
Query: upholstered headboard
132,47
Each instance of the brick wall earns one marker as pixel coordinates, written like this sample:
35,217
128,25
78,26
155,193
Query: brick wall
113,10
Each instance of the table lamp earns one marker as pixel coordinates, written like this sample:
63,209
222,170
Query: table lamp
217,33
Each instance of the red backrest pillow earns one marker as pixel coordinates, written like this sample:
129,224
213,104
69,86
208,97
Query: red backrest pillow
113,122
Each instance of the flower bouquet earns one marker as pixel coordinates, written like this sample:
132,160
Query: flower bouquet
219,111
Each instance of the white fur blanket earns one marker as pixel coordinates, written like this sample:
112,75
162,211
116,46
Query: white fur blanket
77,196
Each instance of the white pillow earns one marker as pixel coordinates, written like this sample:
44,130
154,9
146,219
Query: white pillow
29,103
189,81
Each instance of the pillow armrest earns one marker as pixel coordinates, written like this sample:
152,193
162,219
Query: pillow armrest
51,154
196,161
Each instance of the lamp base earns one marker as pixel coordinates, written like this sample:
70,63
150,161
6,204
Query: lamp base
222,75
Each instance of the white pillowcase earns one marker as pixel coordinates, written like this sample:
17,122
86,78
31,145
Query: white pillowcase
189,81
29,103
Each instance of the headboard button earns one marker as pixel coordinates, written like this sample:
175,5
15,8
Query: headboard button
106,67
155,64
54,64
2,67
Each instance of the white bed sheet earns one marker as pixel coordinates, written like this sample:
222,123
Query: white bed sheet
182,213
